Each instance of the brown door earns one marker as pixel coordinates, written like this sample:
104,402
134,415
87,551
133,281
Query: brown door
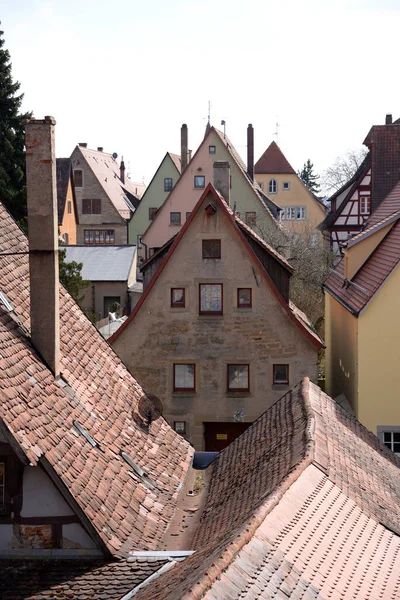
218,436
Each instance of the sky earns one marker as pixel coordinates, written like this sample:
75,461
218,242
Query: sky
126,75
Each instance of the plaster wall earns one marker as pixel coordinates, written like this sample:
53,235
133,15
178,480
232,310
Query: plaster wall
95,294
341,331
357,255
184,196
261,336
40,496
379,357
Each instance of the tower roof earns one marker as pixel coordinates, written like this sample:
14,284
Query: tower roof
273,161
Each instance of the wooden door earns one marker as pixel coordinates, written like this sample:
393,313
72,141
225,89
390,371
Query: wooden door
218,436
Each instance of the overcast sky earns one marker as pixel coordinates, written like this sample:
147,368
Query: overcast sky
125,75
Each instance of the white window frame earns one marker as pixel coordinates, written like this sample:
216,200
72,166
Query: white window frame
272,186
285,189
382,429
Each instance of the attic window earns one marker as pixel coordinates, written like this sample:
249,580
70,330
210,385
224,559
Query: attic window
211,149
85,434
199,181
5,302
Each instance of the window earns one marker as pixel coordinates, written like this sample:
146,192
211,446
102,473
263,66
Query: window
244,298
3,508
91,206
167,184
187,215
272,187
365,205
286,185
66,238
175,218
238,378
251,218
390,436
211,248
99,236
177,297
152,212
78,178
199,181
210,298
184,378
180,427
69,204
294,213
281,374
211,149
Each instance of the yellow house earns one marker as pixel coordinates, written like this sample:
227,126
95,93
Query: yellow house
279,180
66,201
363,324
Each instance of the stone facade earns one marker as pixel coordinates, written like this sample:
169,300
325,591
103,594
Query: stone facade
158,336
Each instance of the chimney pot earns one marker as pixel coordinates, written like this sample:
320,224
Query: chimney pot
184,147
250,151
388,120
99,148
83,144
122,170
43,239
222,178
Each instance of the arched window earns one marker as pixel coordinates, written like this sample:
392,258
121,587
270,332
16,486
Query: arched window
272,186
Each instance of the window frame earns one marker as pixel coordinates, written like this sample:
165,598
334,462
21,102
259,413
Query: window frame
382,429
272,186
274,380
69,207
230,389
210,257
183,432
199,187
90,210
110,232
173,212
184,389
152,212
81,183
367,200
212,151
211,312
248,305
168,184
287,183
178,304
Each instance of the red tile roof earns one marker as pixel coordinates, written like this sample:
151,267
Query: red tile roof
389,206
304,504
72,579
176,159
123,511
273,161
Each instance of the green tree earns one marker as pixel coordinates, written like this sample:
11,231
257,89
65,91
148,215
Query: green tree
70,276
12,141
309,178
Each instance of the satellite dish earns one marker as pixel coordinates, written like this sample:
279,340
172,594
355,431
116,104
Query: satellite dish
149,409
115,155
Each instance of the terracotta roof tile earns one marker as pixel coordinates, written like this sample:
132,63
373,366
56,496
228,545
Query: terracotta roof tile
176,159
273,161
304,504
103,397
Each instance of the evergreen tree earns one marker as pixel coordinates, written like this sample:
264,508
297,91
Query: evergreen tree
309,178
12,141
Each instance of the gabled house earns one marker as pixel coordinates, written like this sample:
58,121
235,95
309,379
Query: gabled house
106,198
156,192
304,504
111,271
353,203
66,201
362,326
246,197
280,181
215,336
85,472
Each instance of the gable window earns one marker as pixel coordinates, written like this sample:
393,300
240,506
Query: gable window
184,378
244,298
180,427
175,218
99,236
211,248
281,374
238,378
78,178
152,212
210,298
177,297
272,187
199,181
286,185
294,213
69,205
390,436
167,184
3,508
211,149
251,218
365,205
91,206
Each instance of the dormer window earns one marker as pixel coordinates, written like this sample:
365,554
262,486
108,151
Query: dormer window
272,186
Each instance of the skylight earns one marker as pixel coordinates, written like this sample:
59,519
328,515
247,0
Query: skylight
145,479
6,303
85,434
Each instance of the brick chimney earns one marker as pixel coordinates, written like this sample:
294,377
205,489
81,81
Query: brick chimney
99,148
250,152
388,120
122,170
222,178
184,147
82,144
43,240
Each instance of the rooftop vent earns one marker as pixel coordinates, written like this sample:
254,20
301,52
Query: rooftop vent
85,434
83,144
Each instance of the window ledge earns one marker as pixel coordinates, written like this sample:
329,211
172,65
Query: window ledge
188,394
239,395
280,386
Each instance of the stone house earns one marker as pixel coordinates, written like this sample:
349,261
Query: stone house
66,201
246,197
215,335
106,198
